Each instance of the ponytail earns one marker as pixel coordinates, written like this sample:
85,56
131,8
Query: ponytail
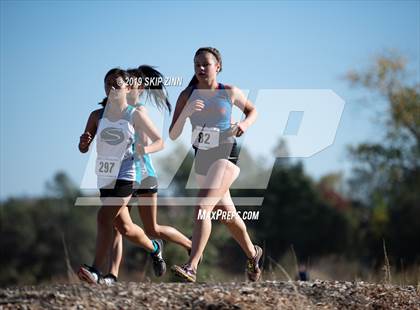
155,91
103,102
194,81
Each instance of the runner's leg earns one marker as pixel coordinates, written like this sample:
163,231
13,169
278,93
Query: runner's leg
148,214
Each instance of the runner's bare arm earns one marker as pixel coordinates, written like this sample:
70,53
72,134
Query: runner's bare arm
179,118
242,102
143,124
90,131
143,137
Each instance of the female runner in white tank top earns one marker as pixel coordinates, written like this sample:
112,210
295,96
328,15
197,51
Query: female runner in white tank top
116,125
146,176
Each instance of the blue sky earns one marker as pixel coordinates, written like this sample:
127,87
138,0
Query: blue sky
54,56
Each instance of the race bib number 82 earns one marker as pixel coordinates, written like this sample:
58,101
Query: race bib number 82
205,138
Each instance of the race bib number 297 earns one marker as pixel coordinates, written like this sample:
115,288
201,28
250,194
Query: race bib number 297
107,167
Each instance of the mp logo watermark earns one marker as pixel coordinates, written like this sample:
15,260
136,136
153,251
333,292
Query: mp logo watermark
318,112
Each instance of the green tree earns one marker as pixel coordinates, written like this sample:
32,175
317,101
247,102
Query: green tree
36,232
295,213
386,174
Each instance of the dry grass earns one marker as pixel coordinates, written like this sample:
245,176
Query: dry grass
337,268
387,267
71,275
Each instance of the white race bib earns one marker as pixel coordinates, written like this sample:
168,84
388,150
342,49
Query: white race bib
205,138
107,167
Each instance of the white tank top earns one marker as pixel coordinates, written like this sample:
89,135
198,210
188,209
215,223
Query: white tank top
114,149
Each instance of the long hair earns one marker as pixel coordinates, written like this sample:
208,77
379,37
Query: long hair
153,82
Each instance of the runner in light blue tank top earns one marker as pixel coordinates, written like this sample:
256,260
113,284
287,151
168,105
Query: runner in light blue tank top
144,165
208,105
218,109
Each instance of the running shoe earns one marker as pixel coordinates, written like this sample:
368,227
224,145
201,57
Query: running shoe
89,274
185,272
252,266
108,280
159,265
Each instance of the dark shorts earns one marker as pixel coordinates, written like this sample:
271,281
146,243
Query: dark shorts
147,186
122,188
205,158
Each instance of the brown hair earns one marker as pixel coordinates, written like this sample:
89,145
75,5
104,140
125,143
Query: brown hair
212,50
157,93
115,73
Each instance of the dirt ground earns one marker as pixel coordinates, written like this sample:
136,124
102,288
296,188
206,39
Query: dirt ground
245,295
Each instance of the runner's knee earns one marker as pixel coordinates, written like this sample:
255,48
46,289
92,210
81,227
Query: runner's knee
226,167
123,228
153,231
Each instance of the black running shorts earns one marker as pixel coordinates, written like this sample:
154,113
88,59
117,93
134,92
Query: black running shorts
205,158
147,186
122,188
